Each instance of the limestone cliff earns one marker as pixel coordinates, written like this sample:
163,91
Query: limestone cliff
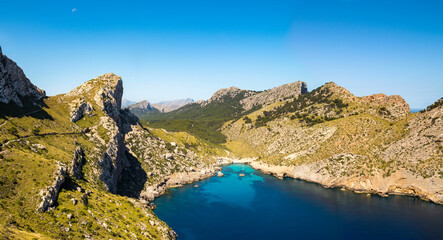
14,85
105,93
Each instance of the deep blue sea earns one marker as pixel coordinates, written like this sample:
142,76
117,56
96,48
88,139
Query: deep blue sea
260,206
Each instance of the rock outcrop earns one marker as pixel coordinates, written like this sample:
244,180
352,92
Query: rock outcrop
80,108
77,164
290,90
227,93
106,93
109,94
392,106
175,180
389,107
50,195
14,85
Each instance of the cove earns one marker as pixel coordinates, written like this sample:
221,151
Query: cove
260,206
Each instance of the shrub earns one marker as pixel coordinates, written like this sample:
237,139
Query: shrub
36,131
13,131
247,119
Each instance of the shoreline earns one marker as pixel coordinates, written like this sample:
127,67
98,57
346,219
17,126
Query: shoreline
178,179
351,184
354,186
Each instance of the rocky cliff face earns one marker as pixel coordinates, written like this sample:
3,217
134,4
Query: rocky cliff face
105,93
164,164
290,90
14,85
251,99
50,194
227,93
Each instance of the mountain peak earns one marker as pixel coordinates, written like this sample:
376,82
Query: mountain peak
14,85
395,104
227,92
142,104
332,87
105,90
270,96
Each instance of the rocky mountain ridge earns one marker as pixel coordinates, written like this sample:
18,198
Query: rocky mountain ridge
227,93
270,96
89,157
205,118
14,85
367,144
144,107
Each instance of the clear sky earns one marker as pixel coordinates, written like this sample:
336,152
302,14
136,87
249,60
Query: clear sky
170,49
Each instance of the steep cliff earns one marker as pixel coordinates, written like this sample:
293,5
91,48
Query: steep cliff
104,94
14,85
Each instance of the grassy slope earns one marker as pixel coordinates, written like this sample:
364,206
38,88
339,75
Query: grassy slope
188,141
26,170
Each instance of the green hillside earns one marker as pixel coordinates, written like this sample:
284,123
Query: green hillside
203,121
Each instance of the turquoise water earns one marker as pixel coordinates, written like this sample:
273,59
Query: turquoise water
259,206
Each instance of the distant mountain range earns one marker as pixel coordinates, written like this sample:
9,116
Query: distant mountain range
127,102
144,108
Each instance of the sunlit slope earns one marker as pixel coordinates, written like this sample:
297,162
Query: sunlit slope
335,138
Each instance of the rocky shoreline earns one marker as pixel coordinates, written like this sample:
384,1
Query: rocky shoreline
398,184
151,192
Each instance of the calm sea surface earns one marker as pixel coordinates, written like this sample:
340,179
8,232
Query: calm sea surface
259,206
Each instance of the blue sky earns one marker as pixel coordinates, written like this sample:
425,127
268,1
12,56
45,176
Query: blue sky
171,49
